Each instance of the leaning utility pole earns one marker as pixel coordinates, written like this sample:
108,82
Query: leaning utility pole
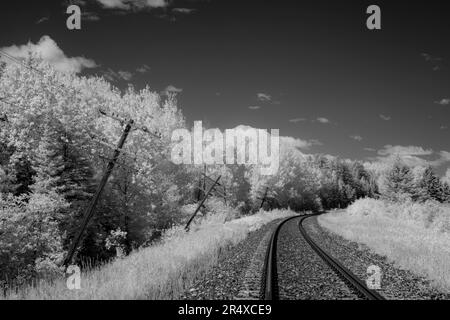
129,124
90,210
201,204
263,199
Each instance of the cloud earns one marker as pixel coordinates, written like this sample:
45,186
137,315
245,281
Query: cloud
183,10
443,127
323,120
43,19
297,120
404,150
430,58
370,149
433,60
143,69
50,52
444,157
111,75
286,141
412,156
254,107
89,16
298,143
133,4
357,137
446,177
264,97
443,102
172,89
385,118
125,75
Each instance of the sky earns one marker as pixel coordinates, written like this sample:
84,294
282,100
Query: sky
309,68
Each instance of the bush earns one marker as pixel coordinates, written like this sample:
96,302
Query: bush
430,214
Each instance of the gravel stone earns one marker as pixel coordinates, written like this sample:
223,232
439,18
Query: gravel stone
302,274
395,283
239,271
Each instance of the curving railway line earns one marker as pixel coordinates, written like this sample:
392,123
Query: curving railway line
270,284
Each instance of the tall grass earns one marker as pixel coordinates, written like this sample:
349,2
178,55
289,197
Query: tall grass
162,271
415,236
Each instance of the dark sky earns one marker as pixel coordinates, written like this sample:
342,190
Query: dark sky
316,59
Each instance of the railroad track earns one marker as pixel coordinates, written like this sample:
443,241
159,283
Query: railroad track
270,280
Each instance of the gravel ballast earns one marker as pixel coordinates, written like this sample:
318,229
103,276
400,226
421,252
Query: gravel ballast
238,272
302,274
395,283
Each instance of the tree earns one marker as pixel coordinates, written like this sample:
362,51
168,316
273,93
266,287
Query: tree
430,187
400,183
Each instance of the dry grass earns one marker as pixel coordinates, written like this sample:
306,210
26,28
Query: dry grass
162,271
414,236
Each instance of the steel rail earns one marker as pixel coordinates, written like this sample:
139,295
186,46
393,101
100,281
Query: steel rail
269,288
339,268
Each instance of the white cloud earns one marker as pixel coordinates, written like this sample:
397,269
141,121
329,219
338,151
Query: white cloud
50,52
385,118
297,120
183,10
443,102
298,143
172,89
446,177
323,120
287,141
357,137
111,75
120,4
433,60
89,16
412,156
264,97
404,150
143,69
430,58
126,75
43,19
133,4
254,107
444,157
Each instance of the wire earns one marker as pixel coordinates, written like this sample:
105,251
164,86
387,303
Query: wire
37,71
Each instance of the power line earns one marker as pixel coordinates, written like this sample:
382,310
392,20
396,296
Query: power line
35,70
129,123
64,87
15,60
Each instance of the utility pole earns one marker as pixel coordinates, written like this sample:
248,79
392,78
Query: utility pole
129,124
264,198
90,210
225,194
201,203
222,194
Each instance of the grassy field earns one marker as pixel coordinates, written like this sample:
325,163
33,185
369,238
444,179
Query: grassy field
162,271
414,236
